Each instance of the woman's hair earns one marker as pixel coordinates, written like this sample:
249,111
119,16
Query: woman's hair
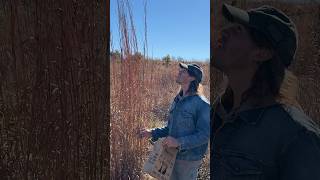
270,73
269,78
195,87
289,90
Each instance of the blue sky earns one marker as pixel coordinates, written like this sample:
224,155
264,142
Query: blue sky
180,28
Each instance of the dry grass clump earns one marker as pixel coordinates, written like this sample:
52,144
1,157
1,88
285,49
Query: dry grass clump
53,90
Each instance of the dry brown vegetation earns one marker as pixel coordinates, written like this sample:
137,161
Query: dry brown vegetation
53,90
141,92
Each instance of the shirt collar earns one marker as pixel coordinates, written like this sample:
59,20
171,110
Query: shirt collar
180,97
249,114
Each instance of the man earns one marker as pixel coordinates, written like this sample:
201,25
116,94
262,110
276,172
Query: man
254,135
188,124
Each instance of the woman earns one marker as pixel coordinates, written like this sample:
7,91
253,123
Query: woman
188,127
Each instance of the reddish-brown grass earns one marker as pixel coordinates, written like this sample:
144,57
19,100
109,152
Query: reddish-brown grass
141,92
53,90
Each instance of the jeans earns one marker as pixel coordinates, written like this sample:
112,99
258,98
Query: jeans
185,170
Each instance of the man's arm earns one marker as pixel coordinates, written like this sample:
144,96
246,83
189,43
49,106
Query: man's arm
157,133
301,158
202,134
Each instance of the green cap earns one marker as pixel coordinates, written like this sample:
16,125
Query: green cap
273,23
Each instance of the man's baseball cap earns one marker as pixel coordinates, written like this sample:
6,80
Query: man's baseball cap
193,69
272,23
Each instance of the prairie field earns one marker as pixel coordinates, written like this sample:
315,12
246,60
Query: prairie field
141,92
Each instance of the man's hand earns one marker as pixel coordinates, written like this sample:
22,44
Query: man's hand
170,142
144,133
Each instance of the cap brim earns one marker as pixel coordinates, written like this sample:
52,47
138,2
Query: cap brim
234,14
183,65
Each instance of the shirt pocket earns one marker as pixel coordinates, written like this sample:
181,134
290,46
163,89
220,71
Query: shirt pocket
238,166
185,120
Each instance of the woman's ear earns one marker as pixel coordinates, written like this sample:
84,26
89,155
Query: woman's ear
262,54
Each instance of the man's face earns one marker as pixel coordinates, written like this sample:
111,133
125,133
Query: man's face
184,77
234,49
